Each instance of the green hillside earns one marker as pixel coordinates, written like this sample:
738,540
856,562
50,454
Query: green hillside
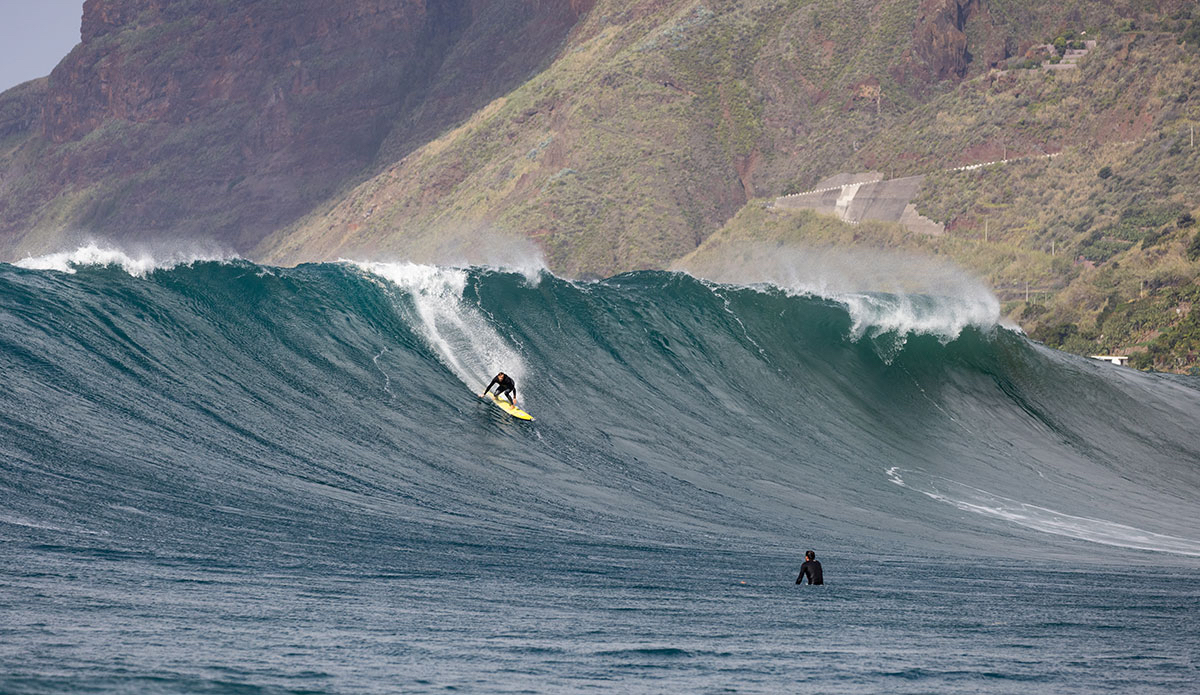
1101,250
655,125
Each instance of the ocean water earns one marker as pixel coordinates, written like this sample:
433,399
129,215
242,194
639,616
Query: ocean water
218,477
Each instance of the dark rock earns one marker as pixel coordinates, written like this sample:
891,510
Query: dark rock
940,38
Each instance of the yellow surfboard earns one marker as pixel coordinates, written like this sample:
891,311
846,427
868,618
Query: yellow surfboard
508,407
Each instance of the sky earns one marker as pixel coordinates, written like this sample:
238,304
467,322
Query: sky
34,36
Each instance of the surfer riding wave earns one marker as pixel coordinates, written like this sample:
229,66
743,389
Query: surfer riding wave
505,386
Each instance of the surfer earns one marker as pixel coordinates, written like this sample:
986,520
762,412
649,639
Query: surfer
504,385
811,569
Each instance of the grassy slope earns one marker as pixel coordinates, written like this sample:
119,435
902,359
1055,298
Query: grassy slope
659,120
1101,232
651,130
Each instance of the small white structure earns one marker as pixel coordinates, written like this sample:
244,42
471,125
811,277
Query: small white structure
1120,360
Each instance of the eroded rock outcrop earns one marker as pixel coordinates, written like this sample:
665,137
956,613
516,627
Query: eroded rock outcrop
940,38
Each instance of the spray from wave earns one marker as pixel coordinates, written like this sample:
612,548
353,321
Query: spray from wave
432,299
884,292
135,263
467,247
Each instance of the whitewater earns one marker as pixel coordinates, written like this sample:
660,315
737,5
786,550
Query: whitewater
223,477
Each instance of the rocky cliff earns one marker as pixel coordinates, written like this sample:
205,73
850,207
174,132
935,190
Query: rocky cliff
940,38
223,121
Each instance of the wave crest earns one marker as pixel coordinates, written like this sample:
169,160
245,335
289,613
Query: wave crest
884,291
137,264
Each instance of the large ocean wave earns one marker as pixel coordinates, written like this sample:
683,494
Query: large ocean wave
178,405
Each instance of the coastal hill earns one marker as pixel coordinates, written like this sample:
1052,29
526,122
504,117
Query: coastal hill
1049,144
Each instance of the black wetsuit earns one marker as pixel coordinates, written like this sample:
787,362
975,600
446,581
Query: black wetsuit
504,385
811,569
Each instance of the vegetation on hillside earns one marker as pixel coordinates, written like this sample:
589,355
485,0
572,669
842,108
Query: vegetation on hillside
1106,226
655,126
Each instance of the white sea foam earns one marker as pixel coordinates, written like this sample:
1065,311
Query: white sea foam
945,316
884,292
138,264
971,499
483,248
459,333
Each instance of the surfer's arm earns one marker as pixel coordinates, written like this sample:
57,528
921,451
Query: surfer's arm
489,386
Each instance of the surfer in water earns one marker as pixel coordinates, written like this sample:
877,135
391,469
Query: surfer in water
811,569
504,386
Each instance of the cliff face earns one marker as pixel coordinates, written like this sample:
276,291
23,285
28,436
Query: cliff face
20,108
156,61
224,120
940,39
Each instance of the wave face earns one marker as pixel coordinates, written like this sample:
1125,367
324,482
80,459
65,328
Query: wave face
233,415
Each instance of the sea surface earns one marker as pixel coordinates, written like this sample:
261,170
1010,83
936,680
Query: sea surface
221,477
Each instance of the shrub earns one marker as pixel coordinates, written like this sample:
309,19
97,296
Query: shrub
1138,223
1055,335
1099,249
1192,35
1032,311
1141,360
1104,172
1193,251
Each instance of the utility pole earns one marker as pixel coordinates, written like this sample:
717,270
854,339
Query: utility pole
985,229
